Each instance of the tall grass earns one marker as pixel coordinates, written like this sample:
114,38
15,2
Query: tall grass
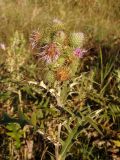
98,19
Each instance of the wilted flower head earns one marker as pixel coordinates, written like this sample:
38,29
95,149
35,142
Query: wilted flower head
79,52
77,39
63,74
34,39
49,53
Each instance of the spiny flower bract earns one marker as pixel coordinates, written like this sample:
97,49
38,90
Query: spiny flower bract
60,37
63,74
77,39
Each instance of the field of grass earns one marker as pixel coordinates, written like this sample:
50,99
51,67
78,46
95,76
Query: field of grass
59,80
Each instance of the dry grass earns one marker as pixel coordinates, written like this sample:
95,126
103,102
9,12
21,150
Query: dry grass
99,19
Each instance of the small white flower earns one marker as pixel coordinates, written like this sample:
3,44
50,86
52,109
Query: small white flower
57,21
2,46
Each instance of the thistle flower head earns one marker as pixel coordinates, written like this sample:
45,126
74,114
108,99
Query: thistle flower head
60,37
77,39
57,25
50,53
79,52
63,74
34,39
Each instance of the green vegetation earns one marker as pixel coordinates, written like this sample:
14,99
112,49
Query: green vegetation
59,80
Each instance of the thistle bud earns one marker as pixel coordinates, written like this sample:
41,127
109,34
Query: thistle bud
58,25
49,77
77,39
60,37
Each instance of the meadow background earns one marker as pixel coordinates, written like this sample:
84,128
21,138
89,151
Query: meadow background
44,118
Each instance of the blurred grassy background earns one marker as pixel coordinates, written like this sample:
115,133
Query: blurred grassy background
100,19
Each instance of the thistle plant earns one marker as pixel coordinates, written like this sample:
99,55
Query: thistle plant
61,54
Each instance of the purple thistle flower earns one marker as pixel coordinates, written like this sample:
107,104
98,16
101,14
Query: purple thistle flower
79,52
49,53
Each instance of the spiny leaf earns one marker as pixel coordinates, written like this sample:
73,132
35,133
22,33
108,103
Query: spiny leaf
93,123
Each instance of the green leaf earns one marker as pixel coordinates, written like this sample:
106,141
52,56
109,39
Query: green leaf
11,134
93,123
4,96
101,63
68,142
18,144
64,92
45,105
116,142
13,127
33,119
39,114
